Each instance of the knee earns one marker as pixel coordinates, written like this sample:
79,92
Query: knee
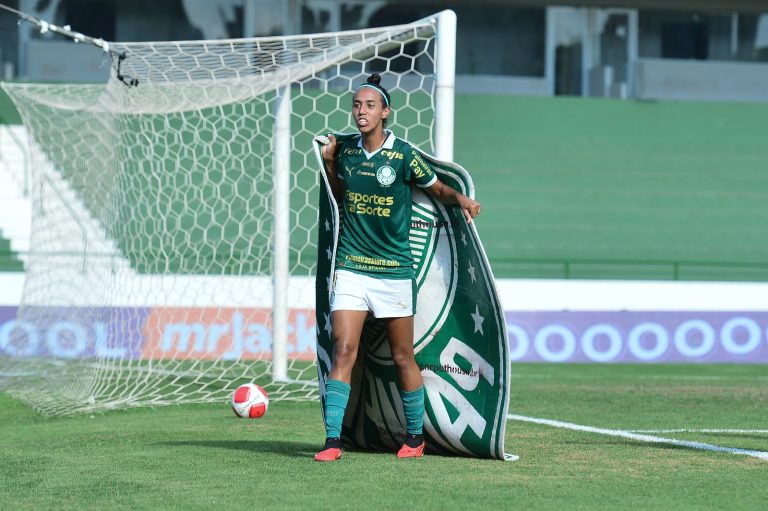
403,358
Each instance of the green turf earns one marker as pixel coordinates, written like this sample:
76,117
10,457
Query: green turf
202,457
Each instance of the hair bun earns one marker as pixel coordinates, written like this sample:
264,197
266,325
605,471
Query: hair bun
374,79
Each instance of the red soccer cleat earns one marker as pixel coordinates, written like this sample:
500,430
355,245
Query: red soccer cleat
331,451
331,454
411,452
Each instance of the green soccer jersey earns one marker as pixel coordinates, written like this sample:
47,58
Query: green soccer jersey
376,214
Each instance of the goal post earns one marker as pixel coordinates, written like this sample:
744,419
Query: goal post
173,246
445,84
281,270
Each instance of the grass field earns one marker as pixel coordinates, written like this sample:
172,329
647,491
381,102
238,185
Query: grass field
203,457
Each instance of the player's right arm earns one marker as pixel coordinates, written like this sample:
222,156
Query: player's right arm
330,158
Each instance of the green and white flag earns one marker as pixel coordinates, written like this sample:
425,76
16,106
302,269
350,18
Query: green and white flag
460,336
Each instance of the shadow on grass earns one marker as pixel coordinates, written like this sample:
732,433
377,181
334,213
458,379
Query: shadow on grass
281,447
284,448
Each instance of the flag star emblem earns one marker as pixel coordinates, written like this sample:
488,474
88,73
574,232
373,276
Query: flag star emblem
471,270
327,327
464,238
329,253
327,225
478,319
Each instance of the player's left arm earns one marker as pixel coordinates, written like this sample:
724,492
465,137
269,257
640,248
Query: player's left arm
449,196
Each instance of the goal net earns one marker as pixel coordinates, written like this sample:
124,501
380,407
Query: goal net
173,245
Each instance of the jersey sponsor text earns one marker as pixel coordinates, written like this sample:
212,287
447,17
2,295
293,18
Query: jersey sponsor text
365,204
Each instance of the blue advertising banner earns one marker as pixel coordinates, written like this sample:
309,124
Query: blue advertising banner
638,336
552,336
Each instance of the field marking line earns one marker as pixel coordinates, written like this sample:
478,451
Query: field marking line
654,377
689,430
763,455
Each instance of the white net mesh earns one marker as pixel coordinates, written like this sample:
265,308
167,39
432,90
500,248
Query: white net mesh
149,280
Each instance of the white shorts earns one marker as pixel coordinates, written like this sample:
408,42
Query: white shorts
385,298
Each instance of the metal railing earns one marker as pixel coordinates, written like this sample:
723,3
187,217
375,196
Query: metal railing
629,269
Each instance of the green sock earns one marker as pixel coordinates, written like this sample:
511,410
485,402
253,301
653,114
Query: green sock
413,409
336,397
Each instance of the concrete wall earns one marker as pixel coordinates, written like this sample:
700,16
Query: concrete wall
701,80
66,62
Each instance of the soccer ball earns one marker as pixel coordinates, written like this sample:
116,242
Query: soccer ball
250,401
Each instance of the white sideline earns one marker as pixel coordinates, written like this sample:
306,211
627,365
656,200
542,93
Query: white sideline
724,431
653,377
763,455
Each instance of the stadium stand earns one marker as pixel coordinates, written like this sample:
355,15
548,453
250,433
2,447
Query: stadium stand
15,202
585,188
570,187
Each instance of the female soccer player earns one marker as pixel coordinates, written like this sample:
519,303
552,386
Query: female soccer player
370,177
